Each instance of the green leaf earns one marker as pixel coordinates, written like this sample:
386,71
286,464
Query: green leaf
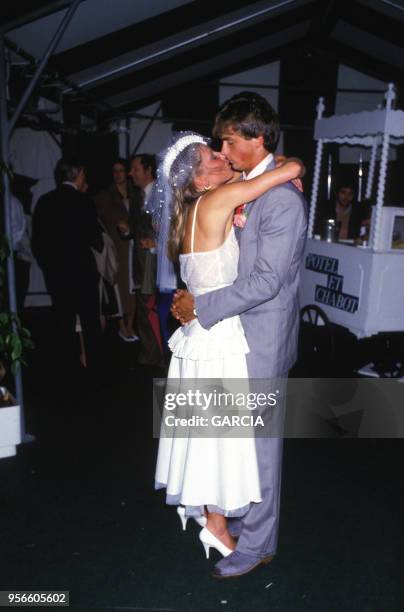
16,352
4,318
15,340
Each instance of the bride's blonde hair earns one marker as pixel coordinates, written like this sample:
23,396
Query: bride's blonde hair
182,173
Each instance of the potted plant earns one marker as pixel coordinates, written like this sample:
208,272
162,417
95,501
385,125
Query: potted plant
14,338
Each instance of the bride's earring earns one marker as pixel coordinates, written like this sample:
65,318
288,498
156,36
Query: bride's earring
207,188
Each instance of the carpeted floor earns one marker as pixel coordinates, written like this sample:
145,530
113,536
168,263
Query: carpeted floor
79,512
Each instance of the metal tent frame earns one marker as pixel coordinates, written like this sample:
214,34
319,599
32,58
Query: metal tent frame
6,128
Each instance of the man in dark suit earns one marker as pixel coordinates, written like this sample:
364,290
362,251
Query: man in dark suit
65,229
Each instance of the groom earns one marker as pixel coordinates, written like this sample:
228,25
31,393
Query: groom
265,295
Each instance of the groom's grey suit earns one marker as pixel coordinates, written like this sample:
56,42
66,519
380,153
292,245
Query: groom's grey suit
265,295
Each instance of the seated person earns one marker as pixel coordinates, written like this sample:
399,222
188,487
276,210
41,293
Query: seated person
350,215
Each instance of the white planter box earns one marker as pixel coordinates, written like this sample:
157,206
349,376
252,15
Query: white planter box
10,430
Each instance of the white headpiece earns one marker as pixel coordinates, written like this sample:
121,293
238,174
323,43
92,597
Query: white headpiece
177,148
160,202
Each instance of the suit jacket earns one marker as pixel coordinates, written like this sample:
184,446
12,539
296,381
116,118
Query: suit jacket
265,294
64,229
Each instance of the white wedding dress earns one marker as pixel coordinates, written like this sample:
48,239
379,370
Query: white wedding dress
220,473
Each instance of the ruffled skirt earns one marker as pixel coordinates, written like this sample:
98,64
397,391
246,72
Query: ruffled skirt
219,472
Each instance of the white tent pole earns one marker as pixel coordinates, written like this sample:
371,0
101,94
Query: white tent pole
5,157
6,128
127,137
316,176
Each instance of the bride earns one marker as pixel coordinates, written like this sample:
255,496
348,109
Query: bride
212,478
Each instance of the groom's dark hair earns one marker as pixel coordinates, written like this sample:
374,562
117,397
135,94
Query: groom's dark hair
251,115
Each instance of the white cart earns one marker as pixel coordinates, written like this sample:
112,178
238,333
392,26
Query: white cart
359,288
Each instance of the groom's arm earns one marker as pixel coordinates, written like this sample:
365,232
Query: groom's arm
283,224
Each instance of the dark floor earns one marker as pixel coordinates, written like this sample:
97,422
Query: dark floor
79,512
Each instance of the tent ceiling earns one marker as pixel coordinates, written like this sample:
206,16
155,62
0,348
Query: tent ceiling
131,55
205,66
224,28
93,19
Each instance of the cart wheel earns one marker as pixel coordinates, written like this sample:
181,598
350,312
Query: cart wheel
316,333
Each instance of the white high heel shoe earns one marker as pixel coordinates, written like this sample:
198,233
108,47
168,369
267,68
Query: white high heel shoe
201,520
210,541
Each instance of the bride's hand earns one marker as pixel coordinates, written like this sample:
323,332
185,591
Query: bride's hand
183,306
298,184
279,161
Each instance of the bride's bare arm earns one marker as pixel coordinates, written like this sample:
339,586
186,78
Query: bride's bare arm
227,197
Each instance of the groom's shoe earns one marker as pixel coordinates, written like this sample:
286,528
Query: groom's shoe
238,564
234,526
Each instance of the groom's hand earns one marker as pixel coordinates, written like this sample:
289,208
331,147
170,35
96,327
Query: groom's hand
183,306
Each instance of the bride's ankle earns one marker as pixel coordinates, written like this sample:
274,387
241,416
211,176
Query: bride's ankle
219,530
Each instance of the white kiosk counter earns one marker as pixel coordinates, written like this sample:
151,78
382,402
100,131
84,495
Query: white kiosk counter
357,287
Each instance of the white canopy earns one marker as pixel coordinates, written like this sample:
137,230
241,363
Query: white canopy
361,128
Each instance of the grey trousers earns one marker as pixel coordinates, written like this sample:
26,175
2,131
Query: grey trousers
260,526
259,535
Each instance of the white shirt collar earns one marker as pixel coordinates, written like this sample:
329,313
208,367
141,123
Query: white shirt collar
71,184
259,168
